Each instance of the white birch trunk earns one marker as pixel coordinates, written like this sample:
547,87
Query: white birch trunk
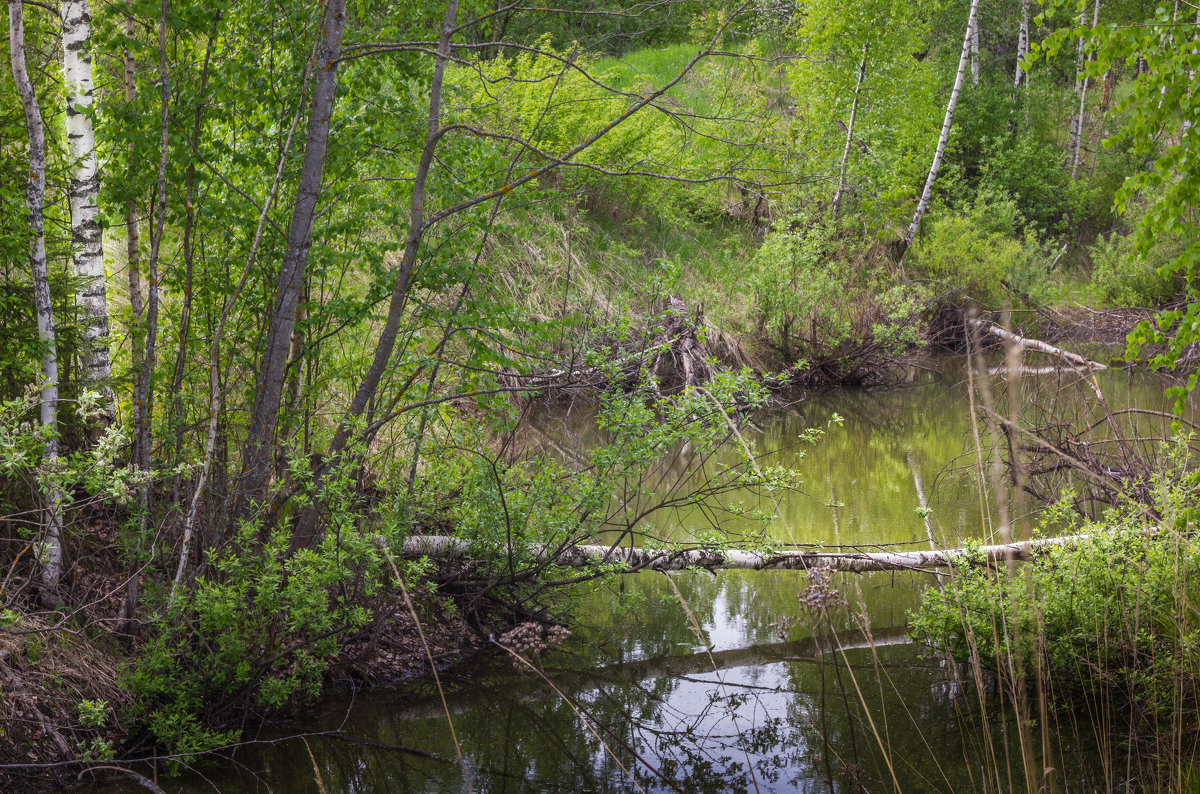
443,547
86,235
1187,122
841,189
975,54
50,554
1027,343
927,193
1022,46
1083,88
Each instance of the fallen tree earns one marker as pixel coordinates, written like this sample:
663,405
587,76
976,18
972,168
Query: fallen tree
1026,343
629,560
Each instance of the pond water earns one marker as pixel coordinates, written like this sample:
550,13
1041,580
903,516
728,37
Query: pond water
640,703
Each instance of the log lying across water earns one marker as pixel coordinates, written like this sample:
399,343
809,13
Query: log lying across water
674,559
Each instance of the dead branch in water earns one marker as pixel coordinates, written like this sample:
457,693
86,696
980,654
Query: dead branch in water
1026,343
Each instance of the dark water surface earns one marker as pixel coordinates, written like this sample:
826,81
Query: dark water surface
643,705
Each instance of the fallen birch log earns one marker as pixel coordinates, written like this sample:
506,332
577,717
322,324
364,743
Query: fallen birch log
444,547
1025,343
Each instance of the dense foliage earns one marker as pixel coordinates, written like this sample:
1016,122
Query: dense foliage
1109,621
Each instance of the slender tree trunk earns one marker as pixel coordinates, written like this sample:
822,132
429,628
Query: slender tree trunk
131,220
975,54
86,235
144,397
1018,72
215,445
257,454
1077,119
189,258
145,386
1083,88
841,189
1022,44
136,332
307,526
927,193
51,555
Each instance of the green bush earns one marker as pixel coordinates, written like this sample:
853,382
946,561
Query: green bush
1031,173
260,629
1114,615
821,307
987,254
1124,276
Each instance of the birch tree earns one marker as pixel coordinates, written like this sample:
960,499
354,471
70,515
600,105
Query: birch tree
975,55
1022,47
1085,77
940,153
51,551
86,235
862,73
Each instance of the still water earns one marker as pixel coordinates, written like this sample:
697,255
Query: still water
639,702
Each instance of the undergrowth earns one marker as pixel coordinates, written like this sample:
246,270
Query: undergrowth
1108,626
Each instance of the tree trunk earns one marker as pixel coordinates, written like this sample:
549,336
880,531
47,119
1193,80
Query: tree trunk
257,454
145,388
1026,343
215,445
1083,87
143,437
51,555
975,54
1022,45
136,335
175,424
307,527
1018,72
442,547
86,235
841,189
927,193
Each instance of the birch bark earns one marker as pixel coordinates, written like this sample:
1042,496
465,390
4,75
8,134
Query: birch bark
841,189
86,234
51,551
975,54
1023,46
939,155
1083,88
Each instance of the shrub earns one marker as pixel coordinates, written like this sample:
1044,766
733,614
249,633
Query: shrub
1113,616
987,254
1031,173
1124,276
820,307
